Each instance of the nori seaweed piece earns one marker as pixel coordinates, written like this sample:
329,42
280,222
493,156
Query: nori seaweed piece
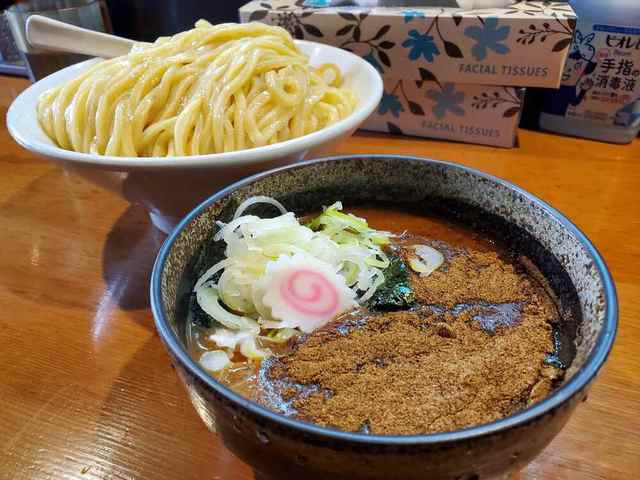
396,292
210,253
198,315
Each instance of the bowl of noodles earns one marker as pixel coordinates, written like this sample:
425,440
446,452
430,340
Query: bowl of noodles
173,120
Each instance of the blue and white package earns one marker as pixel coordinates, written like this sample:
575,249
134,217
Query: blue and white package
599,96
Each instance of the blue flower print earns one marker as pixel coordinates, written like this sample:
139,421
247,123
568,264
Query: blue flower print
390,103
421,45
411,14
447,99
317,3
370,57
488,36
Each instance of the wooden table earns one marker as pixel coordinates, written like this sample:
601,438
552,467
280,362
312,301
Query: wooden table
87,390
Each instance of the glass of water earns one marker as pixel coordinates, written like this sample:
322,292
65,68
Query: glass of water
91,14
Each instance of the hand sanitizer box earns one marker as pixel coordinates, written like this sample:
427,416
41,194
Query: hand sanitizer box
599,96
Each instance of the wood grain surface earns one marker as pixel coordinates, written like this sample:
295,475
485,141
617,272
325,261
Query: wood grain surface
87,390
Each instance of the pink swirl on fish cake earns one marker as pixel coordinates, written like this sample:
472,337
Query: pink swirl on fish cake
310,293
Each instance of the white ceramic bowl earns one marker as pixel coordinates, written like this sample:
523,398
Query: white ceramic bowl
169,187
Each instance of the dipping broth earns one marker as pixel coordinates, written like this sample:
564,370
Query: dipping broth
470,341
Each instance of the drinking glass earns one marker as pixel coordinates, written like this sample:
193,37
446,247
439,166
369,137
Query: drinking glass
91,14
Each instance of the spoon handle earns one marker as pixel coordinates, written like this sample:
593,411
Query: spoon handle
49,34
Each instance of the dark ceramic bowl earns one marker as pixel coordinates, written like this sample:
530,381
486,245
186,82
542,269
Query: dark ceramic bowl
283,448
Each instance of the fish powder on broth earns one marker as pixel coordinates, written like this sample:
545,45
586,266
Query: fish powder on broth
473,351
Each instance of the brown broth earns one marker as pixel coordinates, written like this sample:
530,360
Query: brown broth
249,378
404,220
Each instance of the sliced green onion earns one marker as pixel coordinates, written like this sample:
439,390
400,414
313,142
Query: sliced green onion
428,261
380,261
250,349
215,360
332,217
209,301
280,335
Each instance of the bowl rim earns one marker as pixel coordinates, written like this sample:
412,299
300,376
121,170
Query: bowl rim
366,105
576,384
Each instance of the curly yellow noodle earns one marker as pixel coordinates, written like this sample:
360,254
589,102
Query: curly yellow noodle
330,73
210,89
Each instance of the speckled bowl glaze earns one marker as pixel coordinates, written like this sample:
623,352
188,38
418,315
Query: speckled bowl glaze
283,448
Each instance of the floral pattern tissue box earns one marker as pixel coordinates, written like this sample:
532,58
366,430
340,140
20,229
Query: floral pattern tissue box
449,72
466,113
